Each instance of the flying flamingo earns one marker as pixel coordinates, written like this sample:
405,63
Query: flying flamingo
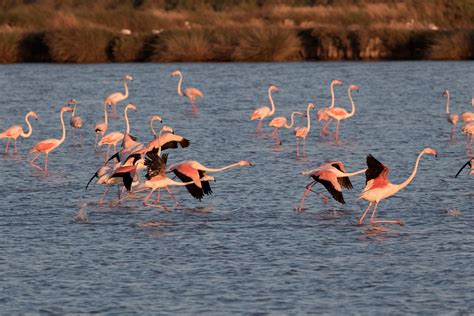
333,177
113,138
154,118
16,131
101,127
470,163
379,187
264,111
322,112
195,172
75,121
302,132
167,140
191,92
452,118
48,145
116,97
341,114
280,122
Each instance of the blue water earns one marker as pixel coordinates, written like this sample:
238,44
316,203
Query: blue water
244,249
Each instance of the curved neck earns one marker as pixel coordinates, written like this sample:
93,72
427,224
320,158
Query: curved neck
179,84
308,126
105,115
412,176
30,129
271,102
353,109
126,121
124,82
447,102
221,169
151,127
292,120
64,128
332,95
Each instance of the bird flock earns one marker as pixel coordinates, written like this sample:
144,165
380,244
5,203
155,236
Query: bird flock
136,167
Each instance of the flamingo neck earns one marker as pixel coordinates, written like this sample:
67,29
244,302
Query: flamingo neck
126,88
152,129
308,126
354,173
105,115
64,128
271,102
74,109
332,96
412,176
159,148
179,184
447,102
353,109
292,122
126,121
179,84
30,129
237,164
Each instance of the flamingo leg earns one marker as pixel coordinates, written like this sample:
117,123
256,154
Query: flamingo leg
193,102
300,208
158,195
337,132
304,147
153,205
46,162
259,126
6,148
114,110
14,142
372,220
72,134
80,136
103,196
33,160
276,139
297,147
361,219
324,130
172,195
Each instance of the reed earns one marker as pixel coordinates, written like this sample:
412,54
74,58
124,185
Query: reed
126,48
452,46
9,47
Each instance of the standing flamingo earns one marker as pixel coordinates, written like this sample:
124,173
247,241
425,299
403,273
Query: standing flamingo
116,97
470,163
113,138
101,127
192,170
190,92
322,112
302,132
280,122
452,118
154,118
75,121
379,187
264,111
333,177
48,145
16,131
341,114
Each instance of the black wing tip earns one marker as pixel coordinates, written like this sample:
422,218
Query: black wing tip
184,143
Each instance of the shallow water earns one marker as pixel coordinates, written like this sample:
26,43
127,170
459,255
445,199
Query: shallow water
243,249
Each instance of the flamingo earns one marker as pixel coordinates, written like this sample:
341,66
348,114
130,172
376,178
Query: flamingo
75,121
302,132
333,177
468,129
167,140
264,111
322,112
154,118
468,116
101,127
191,92
195,172
470,163
341,114
116,97
280,122
378,187
452,118
16,131
48,145
113,138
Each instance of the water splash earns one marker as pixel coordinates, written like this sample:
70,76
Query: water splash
454,212
81,217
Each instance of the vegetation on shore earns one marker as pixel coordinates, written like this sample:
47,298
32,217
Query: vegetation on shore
70,31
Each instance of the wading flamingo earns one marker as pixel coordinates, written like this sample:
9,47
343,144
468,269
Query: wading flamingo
302,132
104,176
154,118
101,127
264,111
191,93
468,116
116,97
48,145
378,186
193,171
75,121
16,131
470,163
322,112
333,177
341,114
280,122
113,138
452,118
468,129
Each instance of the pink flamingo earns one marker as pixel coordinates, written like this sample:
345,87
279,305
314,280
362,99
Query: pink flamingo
48,145
194,172
191,93
379,187
116,97
16,131
154,118
280,122
302,132
341,114
322,112
333,177
452,118
113,138
101,127
75,121
470,163
167,140
264,111
468,116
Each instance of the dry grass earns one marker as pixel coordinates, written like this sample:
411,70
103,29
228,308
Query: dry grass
9,47
126,48
451,47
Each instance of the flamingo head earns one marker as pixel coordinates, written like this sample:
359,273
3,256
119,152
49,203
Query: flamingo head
71,101
354,87
208,178
311,106
176,73
31,113
131,106
166,128
430,151
335,81
245,163
128,77
156,118
445,93
273,88
66,109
